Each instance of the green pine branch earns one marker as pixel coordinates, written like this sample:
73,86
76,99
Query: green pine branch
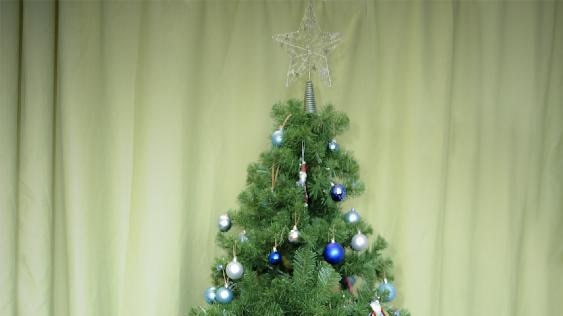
304,284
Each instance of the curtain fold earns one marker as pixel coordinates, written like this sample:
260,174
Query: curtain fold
126,129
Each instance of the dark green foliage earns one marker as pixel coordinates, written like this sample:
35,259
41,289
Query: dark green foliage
304,284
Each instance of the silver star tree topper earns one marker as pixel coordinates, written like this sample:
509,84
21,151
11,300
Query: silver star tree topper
308,48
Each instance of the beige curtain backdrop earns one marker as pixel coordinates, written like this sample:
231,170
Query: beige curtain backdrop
126,129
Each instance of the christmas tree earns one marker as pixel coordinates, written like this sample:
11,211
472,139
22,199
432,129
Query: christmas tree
291,248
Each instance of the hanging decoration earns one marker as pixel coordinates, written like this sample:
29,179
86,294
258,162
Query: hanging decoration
235,270
352,216
242,237
387,291
333,145
308,48
294,234
359,242
376,309
334,252
337,192
209,295
277,135
224,223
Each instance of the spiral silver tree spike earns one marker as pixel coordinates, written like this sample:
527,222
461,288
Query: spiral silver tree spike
309,105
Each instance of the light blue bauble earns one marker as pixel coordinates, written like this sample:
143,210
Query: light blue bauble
352,216
224,295
387,292
277,137
209,295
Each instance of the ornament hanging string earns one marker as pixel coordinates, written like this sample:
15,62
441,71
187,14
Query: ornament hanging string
282,233
275,173
225,278
332,231
285,121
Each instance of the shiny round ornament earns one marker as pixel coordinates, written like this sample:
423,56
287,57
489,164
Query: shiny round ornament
387,292
359,242
352,216
274,258
224,223
219,267
277,137
333,145
293,235
338,192
209,295
224,295
334,253
235,270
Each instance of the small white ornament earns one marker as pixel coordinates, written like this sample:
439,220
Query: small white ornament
293,235
359,242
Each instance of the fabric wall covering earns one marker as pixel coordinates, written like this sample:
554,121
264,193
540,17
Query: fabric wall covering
126,128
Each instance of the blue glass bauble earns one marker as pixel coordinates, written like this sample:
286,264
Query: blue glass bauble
334,253
209,295
387,292
223,295
338,192
274,258
333,145
277,137
352,216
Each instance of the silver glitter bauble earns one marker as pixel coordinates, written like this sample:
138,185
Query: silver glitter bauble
310,104
293,235
359,242
224,223
352,216
234,270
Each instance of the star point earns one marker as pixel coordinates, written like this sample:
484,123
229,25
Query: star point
308,48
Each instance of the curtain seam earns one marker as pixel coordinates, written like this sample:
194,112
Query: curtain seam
18,155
